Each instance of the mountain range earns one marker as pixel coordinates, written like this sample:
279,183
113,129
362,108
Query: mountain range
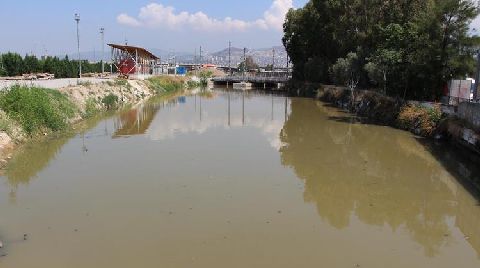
262,56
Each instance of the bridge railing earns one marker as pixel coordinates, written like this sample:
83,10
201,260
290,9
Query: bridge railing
257,77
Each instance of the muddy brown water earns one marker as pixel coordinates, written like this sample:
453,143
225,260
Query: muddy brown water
233,179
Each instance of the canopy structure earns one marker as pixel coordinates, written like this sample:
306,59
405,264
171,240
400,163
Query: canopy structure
131,60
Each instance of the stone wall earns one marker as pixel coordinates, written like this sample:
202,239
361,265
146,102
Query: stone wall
470,112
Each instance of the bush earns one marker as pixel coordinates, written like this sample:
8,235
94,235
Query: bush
121,82
91,108
110,101
204,76
166,83
37,108
421,120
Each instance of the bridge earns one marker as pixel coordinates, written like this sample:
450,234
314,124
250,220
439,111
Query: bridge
265,80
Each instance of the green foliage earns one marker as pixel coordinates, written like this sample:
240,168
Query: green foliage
204,76
345,69
37,109
91,108
192,84
163,84
7,124
121,82
409,48
110,101
12,64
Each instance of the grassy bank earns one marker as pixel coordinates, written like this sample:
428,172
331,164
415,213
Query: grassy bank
37,109
30,112
165,84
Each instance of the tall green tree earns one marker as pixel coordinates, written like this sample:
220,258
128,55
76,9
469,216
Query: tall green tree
408,48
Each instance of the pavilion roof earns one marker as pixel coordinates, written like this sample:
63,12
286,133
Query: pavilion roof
142,52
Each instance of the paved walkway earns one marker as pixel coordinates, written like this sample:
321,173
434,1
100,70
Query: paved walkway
54,83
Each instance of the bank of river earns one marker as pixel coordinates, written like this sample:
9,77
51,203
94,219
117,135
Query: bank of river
84,99
238,179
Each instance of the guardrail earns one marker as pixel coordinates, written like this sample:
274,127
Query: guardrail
254,78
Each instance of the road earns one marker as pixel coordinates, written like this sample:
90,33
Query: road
54,83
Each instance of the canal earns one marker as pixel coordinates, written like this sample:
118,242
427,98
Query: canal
238,179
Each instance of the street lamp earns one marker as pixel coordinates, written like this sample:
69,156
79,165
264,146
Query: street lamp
102,32
477,78
77,19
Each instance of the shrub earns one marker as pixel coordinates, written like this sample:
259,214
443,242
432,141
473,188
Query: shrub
37,108
110,101
204,76
166,83
421,120
121,82
91,108
84,83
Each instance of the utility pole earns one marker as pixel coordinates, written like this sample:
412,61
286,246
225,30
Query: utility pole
201,60
229,58
102,32
77,19
195,61
273,59
244,61
477,78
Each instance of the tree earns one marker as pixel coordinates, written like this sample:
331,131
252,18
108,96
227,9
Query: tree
250,64
346,70
408,48
12,63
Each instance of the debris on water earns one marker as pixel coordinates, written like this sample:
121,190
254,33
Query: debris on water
25,237
357,265
279,212
3,255
467,237
170,213
76,230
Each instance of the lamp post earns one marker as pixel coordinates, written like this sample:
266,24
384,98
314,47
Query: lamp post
102,32
477,78
77,19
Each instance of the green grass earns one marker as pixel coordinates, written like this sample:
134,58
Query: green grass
91,108
162,84
37,109
110,101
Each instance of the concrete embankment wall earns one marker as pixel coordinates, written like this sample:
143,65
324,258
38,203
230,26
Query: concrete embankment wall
470,112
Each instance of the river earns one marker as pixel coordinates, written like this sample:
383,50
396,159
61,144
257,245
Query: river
238,179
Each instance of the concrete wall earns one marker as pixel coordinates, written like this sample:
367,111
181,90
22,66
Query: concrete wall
470,112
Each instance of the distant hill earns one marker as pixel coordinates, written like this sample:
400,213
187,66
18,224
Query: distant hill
262,56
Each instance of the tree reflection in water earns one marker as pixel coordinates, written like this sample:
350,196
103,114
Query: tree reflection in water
379,175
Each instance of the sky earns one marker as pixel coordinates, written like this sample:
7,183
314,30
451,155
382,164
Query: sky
33,26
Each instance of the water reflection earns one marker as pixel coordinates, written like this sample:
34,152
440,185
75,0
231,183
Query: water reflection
351,172
381,176
222,109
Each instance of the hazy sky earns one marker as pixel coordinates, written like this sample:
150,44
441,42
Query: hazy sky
181,25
